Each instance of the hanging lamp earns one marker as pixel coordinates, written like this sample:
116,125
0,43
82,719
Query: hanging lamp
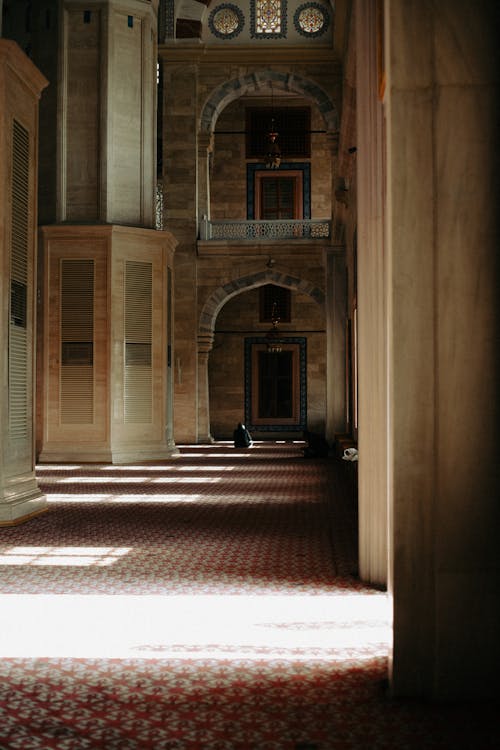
273,155
272,336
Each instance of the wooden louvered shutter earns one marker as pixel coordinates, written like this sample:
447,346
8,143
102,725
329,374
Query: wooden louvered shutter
18,332
77,341
138,343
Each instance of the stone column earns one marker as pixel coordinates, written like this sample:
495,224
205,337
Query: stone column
180,190
372,295
21,85
118,403
107,382
205,149
205,343
443,323
107,118
335,341
170,364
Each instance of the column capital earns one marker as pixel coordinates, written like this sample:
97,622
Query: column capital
205,342
205,143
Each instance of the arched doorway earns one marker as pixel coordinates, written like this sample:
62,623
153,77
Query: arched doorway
233,328
264,84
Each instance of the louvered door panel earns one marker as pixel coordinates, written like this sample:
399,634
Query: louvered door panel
77,388
18,386
138,380
77,342
18,332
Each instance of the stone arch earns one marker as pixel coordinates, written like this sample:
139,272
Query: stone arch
233,89
223,294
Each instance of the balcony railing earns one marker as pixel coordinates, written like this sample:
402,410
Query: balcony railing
265,231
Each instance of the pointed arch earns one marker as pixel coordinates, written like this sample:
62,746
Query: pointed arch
223,294
237,87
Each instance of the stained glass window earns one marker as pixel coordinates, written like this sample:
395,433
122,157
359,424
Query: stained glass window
268,19
226,21
311,19
268,16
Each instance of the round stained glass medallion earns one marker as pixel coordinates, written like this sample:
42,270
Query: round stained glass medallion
226,21
311,19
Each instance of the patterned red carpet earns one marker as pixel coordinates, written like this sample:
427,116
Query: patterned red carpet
210,602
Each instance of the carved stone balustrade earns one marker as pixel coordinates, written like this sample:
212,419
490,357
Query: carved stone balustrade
265,231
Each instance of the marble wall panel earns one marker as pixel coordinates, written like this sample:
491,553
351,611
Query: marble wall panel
66,441
126,113
466,42
469,329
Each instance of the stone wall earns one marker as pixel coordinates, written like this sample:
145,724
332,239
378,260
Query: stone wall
228,189
192,91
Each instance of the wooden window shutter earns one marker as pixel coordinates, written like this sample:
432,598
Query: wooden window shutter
18,332
77,341
138,379
278,198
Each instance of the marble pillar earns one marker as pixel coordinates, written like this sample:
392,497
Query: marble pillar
107,382
21,84
107,113
335,270
372,311
443,322
428,237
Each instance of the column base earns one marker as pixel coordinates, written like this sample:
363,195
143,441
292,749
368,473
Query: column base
78,454
133,455
209,440
120,455
20,501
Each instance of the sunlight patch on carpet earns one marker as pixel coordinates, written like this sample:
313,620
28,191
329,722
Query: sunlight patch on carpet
338,627
122,499
62,556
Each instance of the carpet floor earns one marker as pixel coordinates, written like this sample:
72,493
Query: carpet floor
208,602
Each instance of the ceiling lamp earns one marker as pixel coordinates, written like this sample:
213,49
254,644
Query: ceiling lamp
273,155
272,336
